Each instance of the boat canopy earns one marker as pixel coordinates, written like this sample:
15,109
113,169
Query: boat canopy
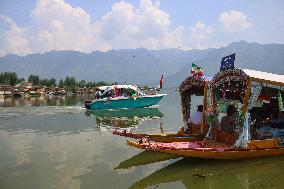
272,80
266,79
103,88
193,85
244,86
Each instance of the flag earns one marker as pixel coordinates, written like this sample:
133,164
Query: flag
196,70
228,62
161,81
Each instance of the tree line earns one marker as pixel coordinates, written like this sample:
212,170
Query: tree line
69,83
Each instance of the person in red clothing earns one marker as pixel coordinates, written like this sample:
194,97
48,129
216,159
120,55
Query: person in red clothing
161,81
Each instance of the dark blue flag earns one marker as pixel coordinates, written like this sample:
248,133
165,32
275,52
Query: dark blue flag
228,62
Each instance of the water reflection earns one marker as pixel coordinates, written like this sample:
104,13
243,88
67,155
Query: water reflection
60,123
44,101
50,146
200,173
44,114
144,158
123,118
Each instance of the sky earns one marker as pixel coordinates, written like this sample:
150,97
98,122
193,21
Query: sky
38,26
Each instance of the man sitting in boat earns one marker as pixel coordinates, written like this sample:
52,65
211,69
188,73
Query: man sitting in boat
227,134
194,121
228,122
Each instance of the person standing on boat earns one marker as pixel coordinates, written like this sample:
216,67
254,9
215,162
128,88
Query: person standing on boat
161,81
98,93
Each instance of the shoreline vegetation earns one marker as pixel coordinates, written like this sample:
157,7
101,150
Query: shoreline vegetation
11,85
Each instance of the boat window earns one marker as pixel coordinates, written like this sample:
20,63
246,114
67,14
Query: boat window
267,117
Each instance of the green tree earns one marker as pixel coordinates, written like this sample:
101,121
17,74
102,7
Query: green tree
9,78
52,82
82,83
44,82
102,83
34,79
70,84
89,84
13,79
61,83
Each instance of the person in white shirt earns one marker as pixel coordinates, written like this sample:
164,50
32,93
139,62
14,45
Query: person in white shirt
196,117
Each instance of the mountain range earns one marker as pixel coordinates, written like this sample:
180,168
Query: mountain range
142,66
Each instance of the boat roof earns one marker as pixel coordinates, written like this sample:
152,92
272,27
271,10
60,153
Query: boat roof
117,86
265,76
193,82
267,79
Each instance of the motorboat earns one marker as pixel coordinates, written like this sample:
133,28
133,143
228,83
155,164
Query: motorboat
122,96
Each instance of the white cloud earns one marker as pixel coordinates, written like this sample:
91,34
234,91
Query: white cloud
56,25
148,26
234,21
63,27
200,31
197,36
14,40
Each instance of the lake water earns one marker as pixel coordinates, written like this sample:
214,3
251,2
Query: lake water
53,142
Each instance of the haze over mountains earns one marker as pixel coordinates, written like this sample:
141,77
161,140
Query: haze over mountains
144,66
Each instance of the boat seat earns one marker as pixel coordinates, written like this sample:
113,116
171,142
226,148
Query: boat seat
268,143
195,129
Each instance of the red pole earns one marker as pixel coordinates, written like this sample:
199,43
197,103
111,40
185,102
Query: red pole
161,81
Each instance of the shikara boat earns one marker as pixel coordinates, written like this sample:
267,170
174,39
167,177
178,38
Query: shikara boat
242,88
213,151
193,85
122,96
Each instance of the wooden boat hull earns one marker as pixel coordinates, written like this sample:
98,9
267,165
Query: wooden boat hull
217,154
161,137
175,138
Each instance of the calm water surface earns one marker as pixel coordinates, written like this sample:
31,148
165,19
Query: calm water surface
53,142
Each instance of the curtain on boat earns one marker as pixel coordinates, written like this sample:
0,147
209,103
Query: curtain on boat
244,136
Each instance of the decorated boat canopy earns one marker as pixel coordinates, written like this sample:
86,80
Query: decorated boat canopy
193,85
233,83
266,79
247,86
